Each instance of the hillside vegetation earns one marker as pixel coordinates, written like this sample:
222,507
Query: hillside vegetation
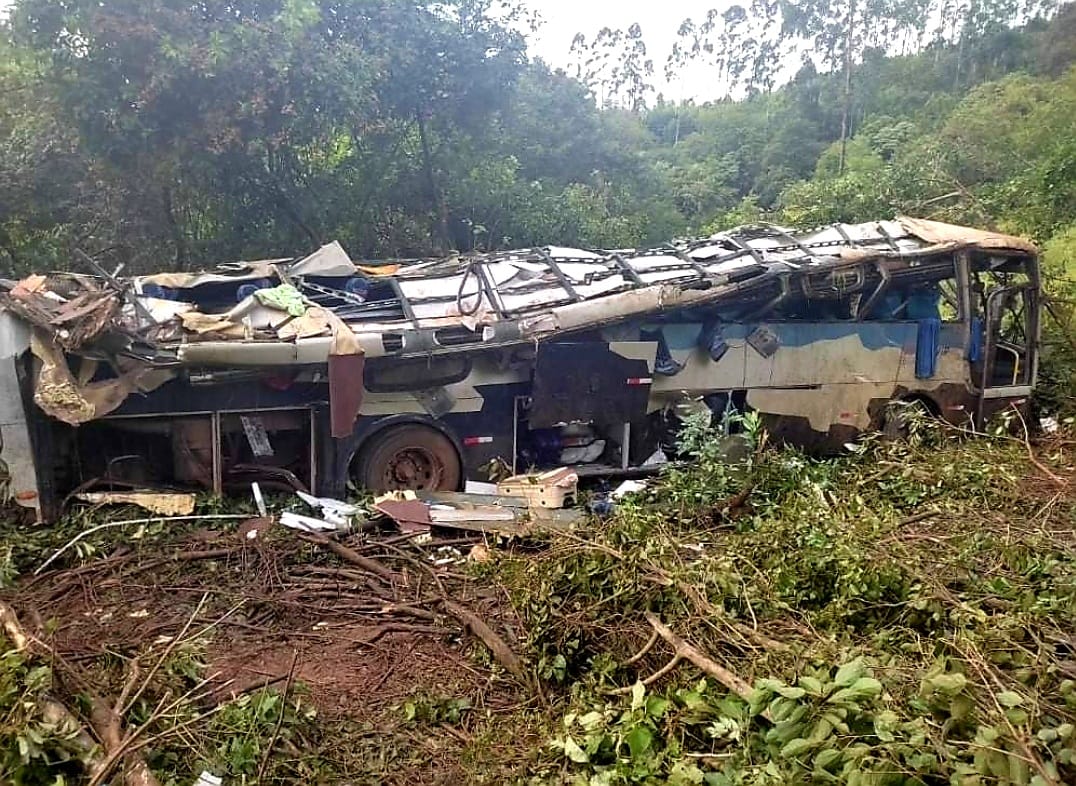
164,134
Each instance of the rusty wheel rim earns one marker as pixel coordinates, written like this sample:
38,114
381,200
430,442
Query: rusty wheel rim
415,468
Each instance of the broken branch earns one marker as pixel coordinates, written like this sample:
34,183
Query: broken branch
106,525
684,651
502,653
352,556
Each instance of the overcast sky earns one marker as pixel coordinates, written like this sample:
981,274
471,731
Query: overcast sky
659,19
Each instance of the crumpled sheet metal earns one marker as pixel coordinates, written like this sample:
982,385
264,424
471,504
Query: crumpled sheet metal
503,297
936,232
60,395
72,323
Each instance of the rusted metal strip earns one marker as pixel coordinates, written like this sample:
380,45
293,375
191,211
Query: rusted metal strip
491,292
888,237
679,254
627,269
795,241
563,279
409,313
746,247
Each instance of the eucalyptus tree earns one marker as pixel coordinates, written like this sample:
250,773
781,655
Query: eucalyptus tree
615,66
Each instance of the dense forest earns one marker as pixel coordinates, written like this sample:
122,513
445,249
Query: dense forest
166,133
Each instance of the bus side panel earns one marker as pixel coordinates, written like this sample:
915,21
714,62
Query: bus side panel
18,473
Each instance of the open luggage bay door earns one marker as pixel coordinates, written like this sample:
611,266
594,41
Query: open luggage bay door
598,381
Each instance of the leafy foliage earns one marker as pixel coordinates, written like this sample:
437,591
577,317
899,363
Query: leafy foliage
905,653
37,746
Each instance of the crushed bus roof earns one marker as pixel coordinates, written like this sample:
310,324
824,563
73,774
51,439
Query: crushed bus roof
301,312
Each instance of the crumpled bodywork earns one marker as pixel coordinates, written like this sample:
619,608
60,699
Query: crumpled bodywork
301,312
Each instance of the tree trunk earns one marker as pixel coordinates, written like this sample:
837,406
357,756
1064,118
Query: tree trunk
178,238
846,104
437,199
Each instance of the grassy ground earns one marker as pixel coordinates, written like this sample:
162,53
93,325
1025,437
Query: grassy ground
903,614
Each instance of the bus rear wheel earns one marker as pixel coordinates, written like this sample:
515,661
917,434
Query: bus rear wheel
411,456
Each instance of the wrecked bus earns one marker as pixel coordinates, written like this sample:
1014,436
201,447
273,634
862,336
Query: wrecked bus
323,374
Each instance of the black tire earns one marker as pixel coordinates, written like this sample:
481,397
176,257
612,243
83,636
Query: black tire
410,456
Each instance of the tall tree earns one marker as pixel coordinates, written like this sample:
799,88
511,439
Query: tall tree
224,116
838,32
615,66
742,42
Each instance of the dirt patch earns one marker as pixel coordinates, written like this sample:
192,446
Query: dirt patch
364,647
344,679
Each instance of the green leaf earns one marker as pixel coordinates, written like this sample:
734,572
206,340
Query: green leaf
813,686
960,707
862,688
656,706
1016,716
684,774
796,747
591,720
949,684
639,740
827,759
1010,698
849,673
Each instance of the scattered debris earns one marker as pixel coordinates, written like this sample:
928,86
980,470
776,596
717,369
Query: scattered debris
410,514
628,487
309,523
164,503
259,500
342,515
554,488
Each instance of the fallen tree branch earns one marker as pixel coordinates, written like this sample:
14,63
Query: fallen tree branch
657,675
104,720
684,651
352,556
638,656
280,717
155,519
502,653
1059,481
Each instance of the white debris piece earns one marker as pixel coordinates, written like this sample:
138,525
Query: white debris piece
628,487
656,459
307,523
259,500
478,487
327,504
337,513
